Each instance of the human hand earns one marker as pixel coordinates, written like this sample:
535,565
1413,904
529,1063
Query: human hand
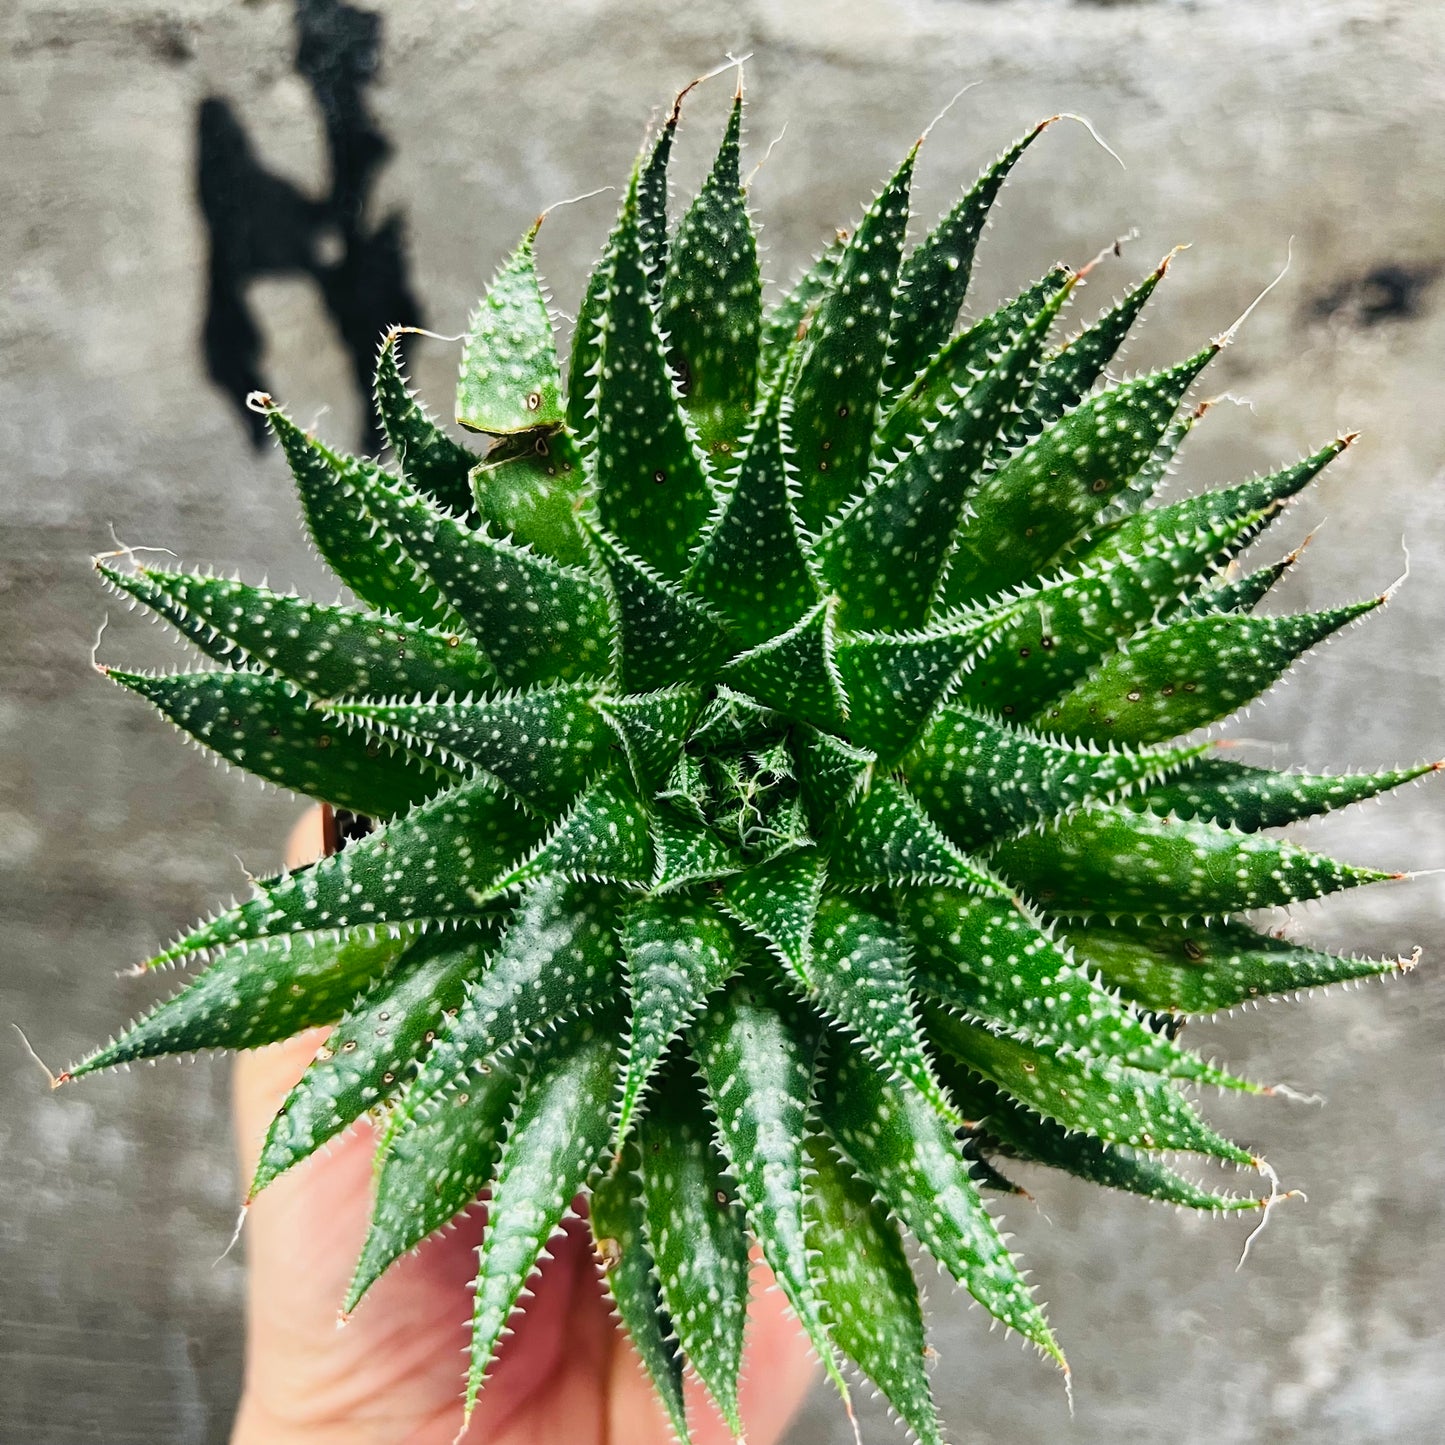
393,1375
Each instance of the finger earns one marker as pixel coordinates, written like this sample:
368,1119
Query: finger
779,1365
308,839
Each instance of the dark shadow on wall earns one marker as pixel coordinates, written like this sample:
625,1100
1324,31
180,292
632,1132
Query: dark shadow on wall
260,224
1390,292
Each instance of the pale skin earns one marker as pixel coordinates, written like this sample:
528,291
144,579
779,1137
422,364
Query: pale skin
393,1374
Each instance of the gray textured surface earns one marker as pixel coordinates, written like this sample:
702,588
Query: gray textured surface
1241,123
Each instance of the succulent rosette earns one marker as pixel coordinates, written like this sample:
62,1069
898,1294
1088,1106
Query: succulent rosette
784,740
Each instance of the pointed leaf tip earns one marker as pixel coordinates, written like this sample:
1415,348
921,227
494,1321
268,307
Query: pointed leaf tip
695,1231
837,386
711,306
934,279
510,379
653,492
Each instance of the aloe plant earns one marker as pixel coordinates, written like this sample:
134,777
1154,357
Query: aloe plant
787,730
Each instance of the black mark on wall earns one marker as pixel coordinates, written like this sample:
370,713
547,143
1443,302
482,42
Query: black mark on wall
1391,291
260,224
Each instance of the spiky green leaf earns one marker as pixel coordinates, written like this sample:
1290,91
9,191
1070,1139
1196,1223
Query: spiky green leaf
1202,968
338,496
618,1230
373,1049
429,459
1107,861
1066,377
605,836
933,280
896,1139
262,723
1047,494
860,976
1235,515
510,380
1236,594
1022,1134
1053,633
778,901
663,635
987,958
558,957
866,1287
652,728
254,995
1182,675
652,490
838,380
757,1065
750,565
687,851
712,302
885,556
329,651
554,1139
894,682
1235,795
536,620
795,672
531,488
544,744
677,951
787,322
1147,480
695,1232
979,779
1104,1100
432,1166
433,864
886,838
962,362
652,189
831,773
584,366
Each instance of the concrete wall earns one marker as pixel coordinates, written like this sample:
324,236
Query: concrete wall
1241,124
